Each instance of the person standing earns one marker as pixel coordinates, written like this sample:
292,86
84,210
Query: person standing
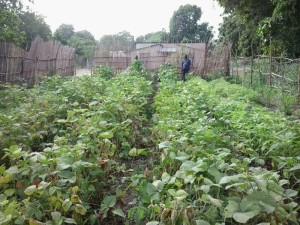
185,66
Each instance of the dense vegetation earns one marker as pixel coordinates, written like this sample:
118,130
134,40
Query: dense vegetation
125,149
251,25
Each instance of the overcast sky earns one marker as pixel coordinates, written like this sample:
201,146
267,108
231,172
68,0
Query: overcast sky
138,17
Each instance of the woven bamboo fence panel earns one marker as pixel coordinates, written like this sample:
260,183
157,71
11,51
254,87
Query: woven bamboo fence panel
43,59
153,56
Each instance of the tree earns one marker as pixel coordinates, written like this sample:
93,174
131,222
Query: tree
260,21
10,28
64,33
159,36
85,45
11,5
185,25
10,21
240,34
34,25
122,41
204,32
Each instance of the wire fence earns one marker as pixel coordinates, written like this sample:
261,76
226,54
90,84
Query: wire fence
279,73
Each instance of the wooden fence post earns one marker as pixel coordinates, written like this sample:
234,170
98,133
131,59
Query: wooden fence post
204,70
55,60
299,81
282,74
270,61
252,63
6,60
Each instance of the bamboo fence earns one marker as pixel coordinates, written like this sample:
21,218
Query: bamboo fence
43,59
204,61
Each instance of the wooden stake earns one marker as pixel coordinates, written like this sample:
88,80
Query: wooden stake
270,75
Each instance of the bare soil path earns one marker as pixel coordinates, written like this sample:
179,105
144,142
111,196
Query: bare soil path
83,72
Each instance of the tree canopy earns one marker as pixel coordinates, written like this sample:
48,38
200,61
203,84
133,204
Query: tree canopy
251,24
159,36
84,43
10,28
21,27
122,41
185,25
64,33
34,25
10,22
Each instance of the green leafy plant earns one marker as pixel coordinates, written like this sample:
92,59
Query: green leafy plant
104,72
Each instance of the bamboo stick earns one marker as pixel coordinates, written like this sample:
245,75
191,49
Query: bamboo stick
270,61
299,82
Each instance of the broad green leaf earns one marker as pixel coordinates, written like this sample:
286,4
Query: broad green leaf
260,162
172,192
151,189
229,179
165,144
92,188
106,135
62,166
291,193
159,185
180,194
5,219
188,166
208,182
297,167
35,222
3,197
214,201
152,223
66,204
52,190
181,156
172,180
260,181
61,121
70,221
243,217
30,190
201,222
283,182
234,185
56,216
250,203
133,152
165,177
80,209
205,188
119,212
215,173
9,192
109,201
13,170
19,221
232,208
268,208
43,185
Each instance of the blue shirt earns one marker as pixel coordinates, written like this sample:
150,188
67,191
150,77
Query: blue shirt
186,63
